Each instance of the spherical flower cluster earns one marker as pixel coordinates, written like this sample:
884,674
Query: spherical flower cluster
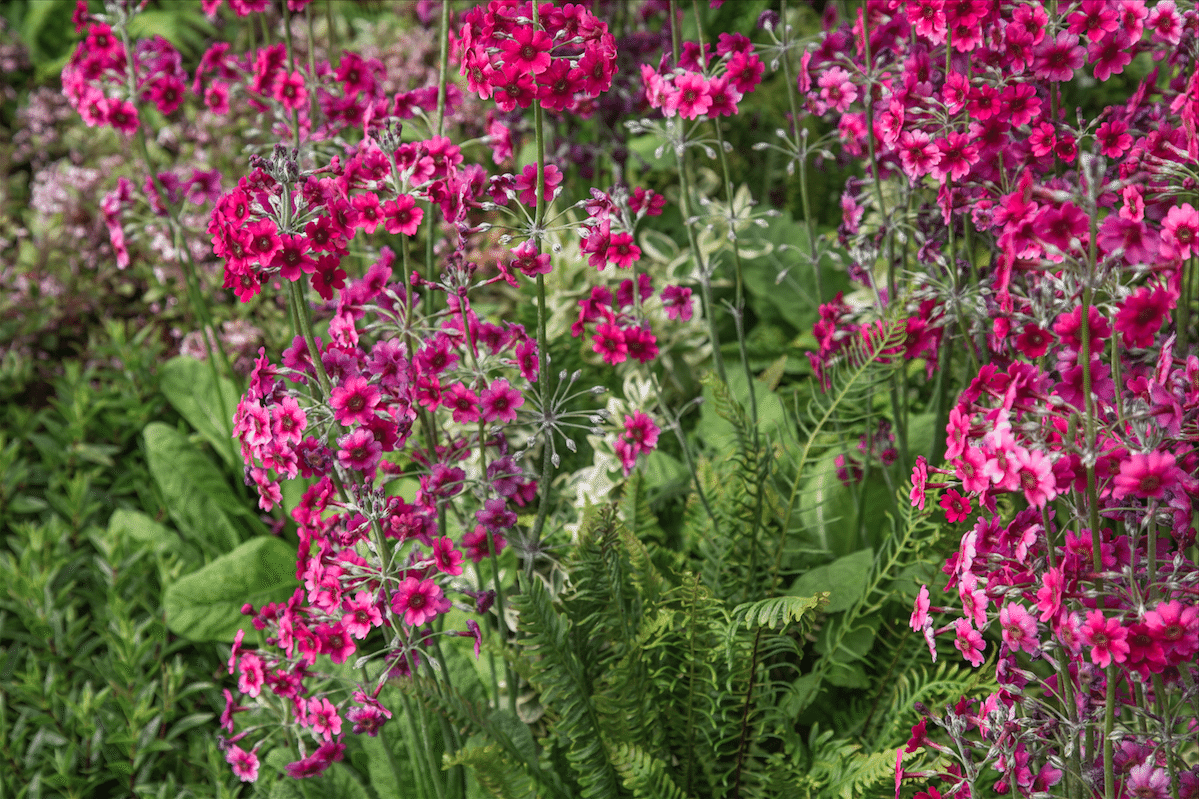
705,85
565,60
640,437
261,235
96,79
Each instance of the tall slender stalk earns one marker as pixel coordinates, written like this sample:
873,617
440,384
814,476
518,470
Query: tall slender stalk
680,154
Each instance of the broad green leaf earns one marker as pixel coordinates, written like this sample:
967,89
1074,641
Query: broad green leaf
845,579
831,519
792,299
189,386
517,732
845,667
141,528
23,503
197,494
206,604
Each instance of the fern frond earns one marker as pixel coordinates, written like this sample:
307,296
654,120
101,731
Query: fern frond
560,676
839,769
845,401
645,775
775,613
911,540
502,729
495,772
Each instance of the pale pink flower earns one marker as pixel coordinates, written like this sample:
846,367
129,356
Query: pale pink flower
969,642
245,764
1034,470
1019,628
919,618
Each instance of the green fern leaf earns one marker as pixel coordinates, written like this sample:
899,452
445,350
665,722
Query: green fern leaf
645,775
775,613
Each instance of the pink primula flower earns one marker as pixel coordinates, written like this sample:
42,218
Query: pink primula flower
354,401
1106,638
1049,595
1147,476
1019,628
957,507
690,97
919,619
361,615
1176,627
919,482
499,402
419,601
245,764
323,718
1034,471
969,642
1180,230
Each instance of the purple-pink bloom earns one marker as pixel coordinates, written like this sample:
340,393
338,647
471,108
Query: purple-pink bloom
359,450
499,402
419,601
1147,476
1106,638
245,764
1019,628
354,401
969,642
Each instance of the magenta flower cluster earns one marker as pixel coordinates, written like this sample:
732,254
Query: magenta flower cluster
703,84
1071,455
565,62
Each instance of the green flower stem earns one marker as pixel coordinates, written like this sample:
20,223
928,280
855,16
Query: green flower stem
897,407
680,154
545,476
944,369
800,145
1109,724
739,298
1092,493
495,579
334,55
312,105
432,772
495,680
1181,343
1169,722
1151,549
212,344
678,432
739,320
304,315
189,267
456,783
509,675
291,67
391,761
443,38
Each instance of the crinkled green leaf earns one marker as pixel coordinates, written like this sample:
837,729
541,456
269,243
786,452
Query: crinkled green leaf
206,604
845,579
189,386
197,494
